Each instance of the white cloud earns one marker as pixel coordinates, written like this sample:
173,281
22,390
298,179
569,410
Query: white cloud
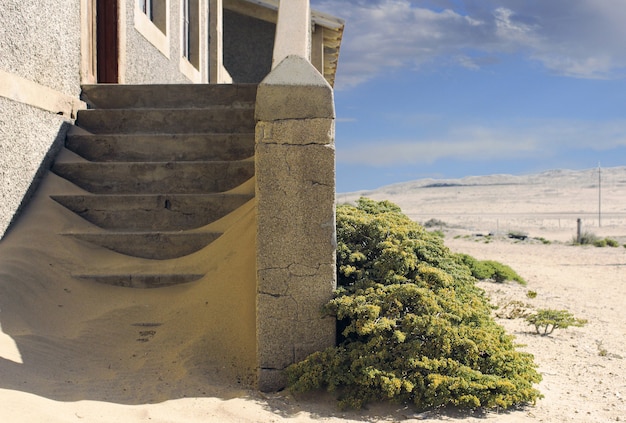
478,143
509,29
580,38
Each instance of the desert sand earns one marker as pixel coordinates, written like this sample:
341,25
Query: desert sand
56,369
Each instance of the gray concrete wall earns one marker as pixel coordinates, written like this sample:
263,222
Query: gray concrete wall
248,46
296,240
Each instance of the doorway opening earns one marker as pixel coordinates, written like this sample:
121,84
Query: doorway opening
107,41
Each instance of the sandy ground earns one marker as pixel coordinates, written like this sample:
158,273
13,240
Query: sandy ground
584,369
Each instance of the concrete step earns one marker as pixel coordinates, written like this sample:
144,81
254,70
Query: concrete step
118,96
162,147
160,212
156,177
142,280
150,245
157,162
216,119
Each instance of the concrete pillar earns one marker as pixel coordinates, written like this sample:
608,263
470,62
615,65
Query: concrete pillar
293,30
295,194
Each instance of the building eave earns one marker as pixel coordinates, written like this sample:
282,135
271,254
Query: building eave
333,28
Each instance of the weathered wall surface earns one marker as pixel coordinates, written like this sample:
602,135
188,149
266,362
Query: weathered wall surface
39,41
296,240
248,46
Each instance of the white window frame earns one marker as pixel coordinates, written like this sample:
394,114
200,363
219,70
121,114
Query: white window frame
155,31
191,12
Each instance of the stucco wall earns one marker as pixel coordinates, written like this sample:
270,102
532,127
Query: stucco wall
28,138
39,41
248,46
145,64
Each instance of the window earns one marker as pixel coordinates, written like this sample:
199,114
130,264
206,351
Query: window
190,54
186,30
146,7
152,21
156,11
191,32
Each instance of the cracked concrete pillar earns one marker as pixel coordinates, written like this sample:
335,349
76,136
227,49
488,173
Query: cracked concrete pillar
295,194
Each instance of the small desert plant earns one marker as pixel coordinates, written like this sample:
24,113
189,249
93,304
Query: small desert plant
601,243
531,294
606,242
586,238
487,239
435,223
513,310
490,269
547,320
543,240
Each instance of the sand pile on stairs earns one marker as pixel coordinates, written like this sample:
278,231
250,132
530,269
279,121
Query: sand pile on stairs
69,339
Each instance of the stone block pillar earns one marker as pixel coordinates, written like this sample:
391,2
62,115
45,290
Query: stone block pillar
296,239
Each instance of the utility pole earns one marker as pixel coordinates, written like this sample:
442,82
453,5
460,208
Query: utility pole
599,195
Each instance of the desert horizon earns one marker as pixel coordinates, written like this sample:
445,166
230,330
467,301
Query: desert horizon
546,203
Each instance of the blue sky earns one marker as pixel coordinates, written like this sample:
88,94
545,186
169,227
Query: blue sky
452,88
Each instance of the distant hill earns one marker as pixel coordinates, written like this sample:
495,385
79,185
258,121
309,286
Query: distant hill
550,199
610,176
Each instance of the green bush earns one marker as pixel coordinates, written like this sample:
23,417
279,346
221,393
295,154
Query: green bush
606,242
439,233
489,269
586,238
547,320
413,325
599,243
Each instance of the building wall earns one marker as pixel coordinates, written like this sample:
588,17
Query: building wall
248,46
39,43
146,64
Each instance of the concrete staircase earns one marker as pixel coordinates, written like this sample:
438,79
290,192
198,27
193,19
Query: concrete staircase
157,165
